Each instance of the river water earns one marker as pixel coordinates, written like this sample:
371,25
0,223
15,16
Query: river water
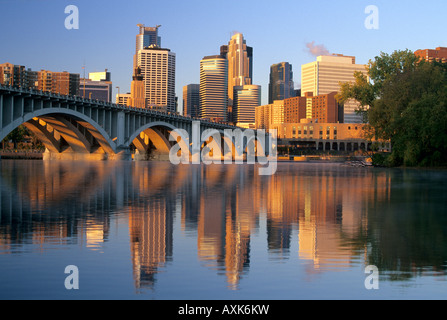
154,230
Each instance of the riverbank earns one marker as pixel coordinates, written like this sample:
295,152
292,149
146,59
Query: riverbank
22,155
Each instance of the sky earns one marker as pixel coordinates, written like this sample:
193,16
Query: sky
33,33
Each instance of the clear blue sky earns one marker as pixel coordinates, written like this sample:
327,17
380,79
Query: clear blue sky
33,32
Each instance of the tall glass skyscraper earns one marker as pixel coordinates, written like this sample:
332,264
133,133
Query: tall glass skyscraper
214,88
281,82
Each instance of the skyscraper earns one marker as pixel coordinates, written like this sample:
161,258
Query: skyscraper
246,99
214,88
158,71
281,82
148,36
191,100
240,64
324,75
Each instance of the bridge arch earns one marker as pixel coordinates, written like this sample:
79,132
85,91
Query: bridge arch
55,117
151,131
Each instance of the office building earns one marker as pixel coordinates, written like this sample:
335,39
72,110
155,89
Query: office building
214,88
246,99
158,71
439,54
281,84
146,37
98,86
240,64
191,100
324,75
96,90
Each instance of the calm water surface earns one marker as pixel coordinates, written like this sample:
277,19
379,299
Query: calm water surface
152,230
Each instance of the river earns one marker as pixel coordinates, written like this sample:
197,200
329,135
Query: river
154,230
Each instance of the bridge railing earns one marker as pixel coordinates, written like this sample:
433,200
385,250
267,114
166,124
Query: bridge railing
75,98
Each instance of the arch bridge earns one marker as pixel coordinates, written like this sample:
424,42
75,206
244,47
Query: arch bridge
75,128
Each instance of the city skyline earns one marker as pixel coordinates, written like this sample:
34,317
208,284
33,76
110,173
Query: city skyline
283,37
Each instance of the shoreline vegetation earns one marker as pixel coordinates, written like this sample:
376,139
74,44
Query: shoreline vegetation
403,99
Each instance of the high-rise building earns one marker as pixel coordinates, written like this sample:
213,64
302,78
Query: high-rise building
240,64
158,71
191,100
147,36
137,99
324,75
439,54
281,82
214,88
246,99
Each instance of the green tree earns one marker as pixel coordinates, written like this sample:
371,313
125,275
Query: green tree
16,136
406,103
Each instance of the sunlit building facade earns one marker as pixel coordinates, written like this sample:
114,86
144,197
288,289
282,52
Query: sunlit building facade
324,75
58,82
214,88
158,71
269,115
439,54
246,99
240,64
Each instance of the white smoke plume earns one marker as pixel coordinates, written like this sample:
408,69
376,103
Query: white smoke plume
317,50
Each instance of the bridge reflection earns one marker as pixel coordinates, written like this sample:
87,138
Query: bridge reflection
316,213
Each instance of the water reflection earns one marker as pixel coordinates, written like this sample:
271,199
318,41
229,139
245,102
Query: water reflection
336,216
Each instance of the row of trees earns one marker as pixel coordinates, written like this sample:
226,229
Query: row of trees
404,100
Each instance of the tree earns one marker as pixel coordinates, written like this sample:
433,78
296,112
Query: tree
17,135
406,103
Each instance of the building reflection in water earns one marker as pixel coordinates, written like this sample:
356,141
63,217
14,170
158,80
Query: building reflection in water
323,210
